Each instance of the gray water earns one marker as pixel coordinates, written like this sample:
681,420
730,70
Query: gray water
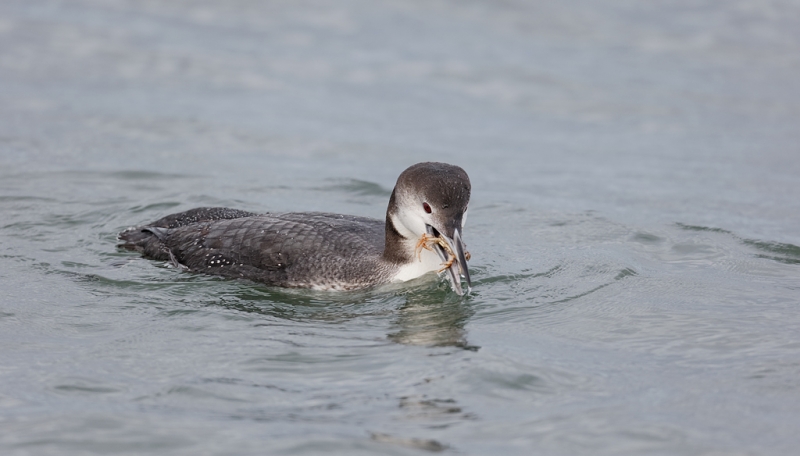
633,226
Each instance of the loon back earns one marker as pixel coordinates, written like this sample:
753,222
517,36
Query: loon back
313,250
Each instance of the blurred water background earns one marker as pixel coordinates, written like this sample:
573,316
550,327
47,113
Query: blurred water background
633,226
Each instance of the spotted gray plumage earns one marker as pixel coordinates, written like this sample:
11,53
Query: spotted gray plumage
289,250
311,249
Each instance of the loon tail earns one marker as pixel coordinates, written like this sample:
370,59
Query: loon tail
147,240
151,240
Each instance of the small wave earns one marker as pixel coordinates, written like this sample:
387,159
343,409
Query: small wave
783,253
776,251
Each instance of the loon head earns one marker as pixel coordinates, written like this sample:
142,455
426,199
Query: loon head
428,209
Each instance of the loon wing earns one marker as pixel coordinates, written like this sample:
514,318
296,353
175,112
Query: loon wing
292,249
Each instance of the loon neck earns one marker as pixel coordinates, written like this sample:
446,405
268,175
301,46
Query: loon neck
397,248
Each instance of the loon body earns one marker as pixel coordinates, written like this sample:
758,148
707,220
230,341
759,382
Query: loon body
421,234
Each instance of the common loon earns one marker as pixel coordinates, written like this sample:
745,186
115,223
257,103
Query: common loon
323,251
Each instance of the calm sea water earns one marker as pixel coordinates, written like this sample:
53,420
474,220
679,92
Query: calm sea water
633,226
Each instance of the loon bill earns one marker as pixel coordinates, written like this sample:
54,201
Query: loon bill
421,234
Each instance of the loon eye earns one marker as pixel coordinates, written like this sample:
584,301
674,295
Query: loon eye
427,207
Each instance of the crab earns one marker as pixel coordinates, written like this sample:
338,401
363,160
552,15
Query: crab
427,241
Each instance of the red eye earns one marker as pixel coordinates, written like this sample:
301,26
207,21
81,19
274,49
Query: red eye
427,207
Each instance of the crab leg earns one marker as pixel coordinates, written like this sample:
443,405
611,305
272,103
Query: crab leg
426,242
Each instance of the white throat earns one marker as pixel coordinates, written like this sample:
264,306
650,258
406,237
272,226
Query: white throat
423,261
427,261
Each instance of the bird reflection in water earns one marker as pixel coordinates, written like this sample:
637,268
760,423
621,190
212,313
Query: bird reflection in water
423,316
433,320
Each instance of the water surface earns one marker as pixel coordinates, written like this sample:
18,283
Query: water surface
633,226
